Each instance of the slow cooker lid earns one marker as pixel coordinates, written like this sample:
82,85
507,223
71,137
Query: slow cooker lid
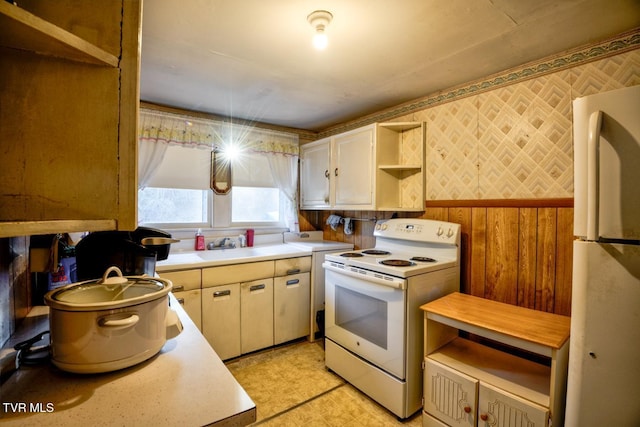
110,289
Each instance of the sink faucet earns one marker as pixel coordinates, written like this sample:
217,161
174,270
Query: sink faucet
225,243
232,243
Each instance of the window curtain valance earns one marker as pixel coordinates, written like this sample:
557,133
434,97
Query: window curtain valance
168,128
173,129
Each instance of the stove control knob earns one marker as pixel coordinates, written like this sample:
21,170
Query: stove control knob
440,231
450,233
377,227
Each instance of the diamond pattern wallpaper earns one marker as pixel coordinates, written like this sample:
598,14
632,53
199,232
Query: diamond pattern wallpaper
515,141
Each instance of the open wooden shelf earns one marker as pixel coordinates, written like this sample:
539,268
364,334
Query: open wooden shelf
23,30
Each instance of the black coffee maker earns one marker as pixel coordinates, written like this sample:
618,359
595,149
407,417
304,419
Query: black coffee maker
134,252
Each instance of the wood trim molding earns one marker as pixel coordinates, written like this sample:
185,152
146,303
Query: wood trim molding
501,203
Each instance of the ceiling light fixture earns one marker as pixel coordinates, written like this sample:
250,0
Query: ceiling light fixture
319,20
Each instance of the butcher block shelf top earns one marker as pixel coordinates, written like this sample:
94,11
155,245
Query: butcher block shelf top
476,314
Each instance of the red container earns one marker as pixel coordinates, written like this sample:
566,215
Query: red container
199,241
250,233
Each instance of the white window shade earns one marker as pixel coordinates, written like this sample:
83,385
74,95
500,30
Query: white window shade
252,170
183,167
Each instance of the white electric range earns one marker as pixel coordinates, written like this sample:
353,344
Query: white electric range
373,324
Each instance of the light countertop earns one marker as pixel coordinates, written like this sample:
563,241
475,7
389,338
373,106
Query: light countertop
185,384
218,257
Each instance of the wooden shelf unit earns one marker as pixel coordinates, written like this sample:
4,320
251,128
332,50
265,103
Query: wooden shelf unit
20,29
400,171
69,112
538,385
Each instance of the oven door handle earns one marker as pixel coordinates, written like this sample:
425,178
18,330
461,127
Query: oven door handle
369,276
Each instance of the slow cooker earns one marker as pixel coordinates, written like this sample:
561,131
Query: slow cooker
110,323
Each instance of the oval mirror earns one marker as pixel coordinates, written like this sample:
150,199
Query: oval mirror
220,173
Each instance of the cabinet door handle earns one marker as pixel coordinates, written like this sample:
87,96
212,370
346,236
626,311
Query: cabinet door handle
326,173
257,287
177,288
335,172
293,282
293,271
467,409
181,301
221,293
484,417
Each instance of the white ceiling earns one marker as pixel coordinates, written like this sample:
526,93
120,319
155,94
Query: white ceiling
253,59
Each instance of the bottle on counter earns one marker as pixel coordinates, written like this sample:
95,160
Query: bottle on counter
199,240
250,234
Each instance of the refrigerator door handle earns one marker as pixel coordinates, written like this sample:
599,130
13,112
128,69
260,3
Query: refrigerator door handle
593,174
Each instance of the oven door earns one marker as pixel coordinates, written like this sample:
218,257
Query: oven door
366,317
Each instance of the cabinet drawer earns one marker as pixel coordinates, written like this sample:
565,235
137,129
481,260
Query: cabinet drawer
449,395
184,280
285,267
236,273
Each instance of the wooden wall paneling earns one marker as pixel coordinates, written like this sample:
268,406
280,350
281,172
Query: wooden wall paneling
307,220
462,216
350,238
564,262
527,263
519,253
438,214
327,234
367,240
477,276
502,255
546,269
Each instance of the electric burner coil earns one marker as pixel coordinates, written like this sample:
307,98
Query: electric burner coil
397,262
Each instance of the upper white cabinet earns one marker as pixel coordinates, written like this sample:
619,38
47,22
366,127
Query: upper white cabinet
69,98
352,169
375,167
315,162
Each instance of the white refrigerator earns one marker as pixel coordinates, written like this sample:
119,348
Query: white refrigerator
603,386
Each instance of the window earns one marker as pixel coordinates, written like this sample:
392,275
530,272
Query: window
178,194
173,206
255,197
255,205
253,200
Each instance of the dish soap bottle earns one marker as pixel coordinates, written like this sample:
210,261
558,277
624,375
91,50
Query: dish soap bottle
199,240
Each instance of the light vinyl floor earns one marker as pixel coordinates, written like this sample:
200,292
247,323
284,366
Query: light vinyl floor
291,387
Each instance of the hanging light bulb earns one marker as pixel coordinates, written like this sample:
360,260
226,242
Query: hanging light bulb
319,20
320,40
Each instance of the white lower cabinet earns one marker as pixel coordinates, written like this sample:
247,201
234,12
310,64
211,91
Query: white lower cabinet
456,399
291,307
242,308
221,319
256,315
499,408
449,395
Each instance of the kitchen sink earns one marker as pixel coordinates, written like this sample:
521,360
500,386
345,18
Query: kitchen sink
234,253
